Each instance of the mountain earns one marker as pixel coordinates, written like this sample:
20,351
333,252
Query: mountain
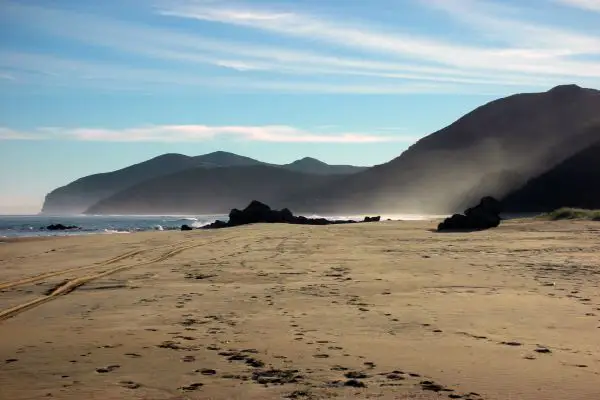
311,165
571,183
493,150
81,194
209,191
78,196
490,151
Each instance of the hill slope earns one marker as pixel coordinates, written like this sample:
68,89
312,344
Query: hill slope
572,183
209,191
489,151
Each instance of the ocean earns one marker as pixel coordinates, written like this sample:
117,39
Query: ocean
34,225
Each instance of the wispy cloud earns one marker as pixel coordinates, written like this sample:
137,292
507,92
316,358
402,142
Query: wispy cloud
196,133
342,55
591,5
7,76
538,57
11,134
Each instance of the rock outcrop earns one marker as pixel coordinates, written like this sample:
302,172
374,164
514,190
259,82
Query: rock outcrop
257,212
61,227
485,215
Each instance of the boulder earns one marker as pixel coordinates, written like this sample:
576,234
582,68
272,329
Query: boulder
372,219
485,215
186,228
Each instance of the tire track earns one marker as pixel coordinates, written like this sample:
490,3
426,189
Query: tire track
114,260
73,284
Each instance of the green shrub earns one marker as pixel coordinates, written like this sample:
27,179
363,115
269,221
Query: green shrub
573,213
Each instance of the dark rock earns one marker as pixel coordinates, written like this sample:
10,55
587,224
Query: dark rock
186,228
61,227
218,224
485,215
257,212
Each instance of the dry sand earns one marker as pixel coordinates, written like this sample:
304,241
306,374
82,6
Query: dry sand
386,310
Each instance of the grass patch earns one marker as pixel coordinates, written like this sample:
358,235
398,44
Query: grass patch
573,213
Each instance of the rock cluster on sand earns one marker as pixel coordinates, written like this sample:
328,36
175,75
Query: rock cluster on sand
61,227
257,212
485,215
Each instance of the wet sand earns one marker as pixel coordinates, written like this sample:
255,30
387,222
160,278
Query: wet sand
386,310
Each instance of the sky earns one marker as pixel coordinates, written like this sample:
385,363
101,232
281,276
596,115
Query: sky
92,86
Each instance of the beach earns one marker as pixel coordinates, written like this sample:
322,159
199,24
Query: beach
386,310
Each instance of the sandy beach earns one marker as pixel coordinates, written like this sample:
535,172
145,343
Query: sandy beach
388,310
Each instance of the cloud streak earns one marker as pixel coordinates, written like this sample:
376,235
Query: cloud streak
344,56
200,133
589,5
544,53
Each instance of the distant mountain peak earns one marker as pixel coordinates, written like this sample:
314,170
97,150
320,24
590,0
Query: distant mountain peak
570,87
221,153
308,161
571,90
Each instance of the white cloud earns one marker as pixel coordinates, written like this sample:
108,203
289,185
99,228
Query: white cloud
196,133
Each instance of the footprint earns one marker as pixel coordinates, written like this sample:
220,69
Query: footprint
543,350
130,384
356,375
511,343
206,371
395,377
339,368
110,368
191,387
355,383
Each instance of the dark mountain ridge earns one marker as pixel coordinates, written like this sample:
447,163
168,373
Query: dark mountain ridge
209,191
78,196
515,139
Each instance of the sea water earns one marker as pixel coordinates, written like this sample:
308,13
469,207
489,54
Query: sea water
35,225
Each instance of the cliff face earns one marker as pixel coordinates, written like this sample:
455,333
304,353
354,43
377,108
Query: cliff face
490,151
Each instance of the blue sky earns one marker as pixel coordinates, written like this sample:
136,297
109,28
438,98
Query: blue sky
91,86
